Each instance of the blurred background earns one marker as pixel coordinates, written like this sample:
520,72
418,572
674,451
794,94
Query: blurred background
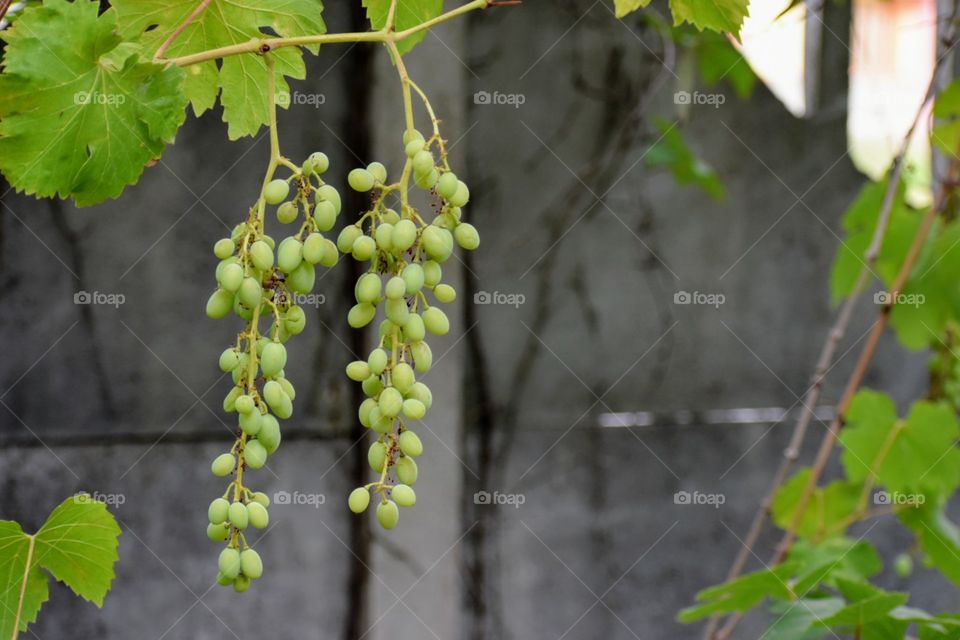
630,344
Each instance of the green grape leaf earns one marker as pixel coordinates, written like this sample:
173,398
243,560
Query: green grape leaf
240,80
826,563
741,594
826,512
718,59
943,627
15,554
915,454
626,7
795,620
938,536
870,609
80,115
410,13
717,15
672,152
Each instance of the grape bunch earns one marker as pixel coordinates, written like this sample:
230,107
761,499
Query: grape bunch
404,254
259,281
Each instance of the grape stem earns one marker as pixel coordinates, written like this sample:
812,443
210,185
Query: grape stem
23,586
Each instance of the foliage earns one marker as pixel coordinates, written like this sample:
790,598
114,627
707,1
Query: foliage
672,152
717,15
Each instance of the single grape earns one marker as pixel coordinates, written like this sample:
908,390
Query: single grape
414,275
414,409
217,511
384,236
372,386
255,454
223,464
461,196
363,412
422,356
259,517
269,435
388,514
427,180
251,423
220,304
230,400
377,456
238,515
436,321
403,495
390,402
274,359
245,404
398,312
229,563
377,362
276,191
360,180
241,584
368,288
447,185
261,498
289,254
413,148
358,371
432,273
404,235
330,254
250,292
273,393
361,315
325,215
410,135
402,377
414,330
423,162
224,248
467,236
318,163
407,471
422,393
378,171
348,235
229,360
261,255
410,443
223,580
218,532
287,212
250,564
363,248
396,288
295,320
303,278
445,293
313,248
328,193
437,242
359,500
903,565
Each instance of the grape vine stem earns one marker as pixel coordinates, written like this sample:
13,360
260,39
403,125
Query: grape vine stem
23,586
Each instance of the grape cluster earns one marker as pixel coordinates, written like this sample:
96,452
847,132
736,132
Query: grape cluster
258,279
405,255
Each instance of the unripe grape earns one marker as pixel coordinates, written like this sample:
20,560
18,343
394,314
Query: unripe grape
461,196
390,402
397,311
358,371
413,275
377,361
328,193
414,331
289,254
223,464
250,564
361,315
363,412
445,293
238,515
422,356
273,359
259,517
368,288
348,235
388,514
318,162
396,288
261,255
218,532
407,471
219,304
313,248
436,321
427,180
422,393
270,242
377,456
330,254
372,386
261,498
384,236
363,248
287,212
447,185
410,443
231,277
414,409
404,235
273,393
378,171
325,215
269,435
224,248
229,360
295,320
432,273
411,134
245,404
223,580
359,500
250,292
285,410
244,312
402,377
903,565
360,180
423,162
241,584
467,236
302,278
287,387
437,242
254,454
229,563
240,373
403,495
230,400
276,191
413,147
390,216
217,511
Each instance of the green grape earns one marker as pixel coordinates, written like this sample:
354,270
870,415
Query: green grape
414,275
269,435
289,254
414,330
359,500
295,320
251,423
378,171
368,288
358,371
377,456
238,515
388,514
372,386
437,242
303,278
363,412
230,400
447,185
273,393
423,162
402,377
330,254
363,248
396,288
327,193
403,495
287,212
410,443
217,511
384,236
245,404
445,293
348,235
273,359
461,196
407,471
250,292
223,580
436,321
422,356
220,304
229,360
422,393
259,517
313,248
361,315
376,363
261,255
427,180
398,312
390,216
410,135
432,273
285,409
391,401
903,565
413,148
261,498
276,191
250,564
318,163
467,236
241,584
224,248
404,235
360,180
414,409
223,465
229,563
244,312
255,454
287,387
325,215
218,532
